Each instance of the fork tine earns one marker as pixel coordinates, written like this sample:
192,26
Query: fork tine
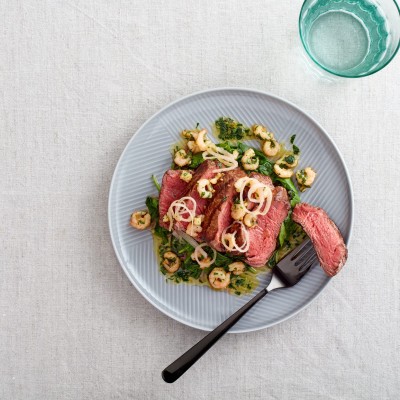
306,254
297,252
308,264
296,264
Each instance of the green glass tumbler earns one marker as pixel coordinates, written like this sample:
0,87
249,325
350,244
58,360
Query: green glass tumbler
350,38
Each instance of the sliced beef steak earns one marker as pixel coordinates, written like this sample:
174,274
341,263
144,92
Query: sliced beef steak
266,180
218,212
263,236
172,188
204,171
325,236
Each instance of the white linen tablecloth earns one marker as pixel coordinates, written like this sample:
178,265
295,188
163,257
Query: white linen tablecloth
77,80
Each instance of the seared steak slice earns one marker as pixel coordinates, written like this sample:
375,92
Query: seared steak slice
204,171
266,180
218,213
325,236
172,188
263,236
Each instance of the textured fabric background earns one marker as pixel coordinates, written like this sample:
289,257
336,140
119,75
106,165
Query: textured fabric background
77,79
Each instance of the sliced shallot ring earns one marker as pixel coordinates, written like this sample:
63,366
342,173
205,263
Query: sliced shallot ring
213,152
262,205
199,248
176,206
185,236
178,215
245,246
268,203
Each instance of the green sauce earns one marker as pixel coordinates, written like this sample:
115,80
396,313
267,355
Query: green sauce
229,129
296,237
240,285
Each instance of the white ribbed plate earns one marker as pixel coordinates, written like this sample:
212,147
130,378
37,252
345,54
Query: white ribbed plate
148,152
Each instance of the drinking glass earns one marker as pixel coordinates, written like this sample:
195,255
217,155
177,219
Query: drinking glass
350,38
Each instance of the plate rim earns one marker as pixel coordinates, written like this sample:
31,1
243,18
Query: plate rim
154,116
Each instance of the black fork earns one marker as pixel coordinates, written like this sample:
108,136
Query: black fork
286,273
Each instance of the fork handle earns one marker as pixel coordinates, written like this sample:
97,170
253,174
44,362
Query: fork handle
186,360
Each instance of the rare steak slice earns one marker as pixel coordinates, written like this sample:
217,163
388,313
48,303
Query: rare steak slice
218,212
263,236
172,188
266,180
204,171
325,236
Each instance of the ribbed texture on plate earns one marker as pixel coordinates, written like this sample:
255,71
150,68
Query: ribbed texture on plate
149,153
